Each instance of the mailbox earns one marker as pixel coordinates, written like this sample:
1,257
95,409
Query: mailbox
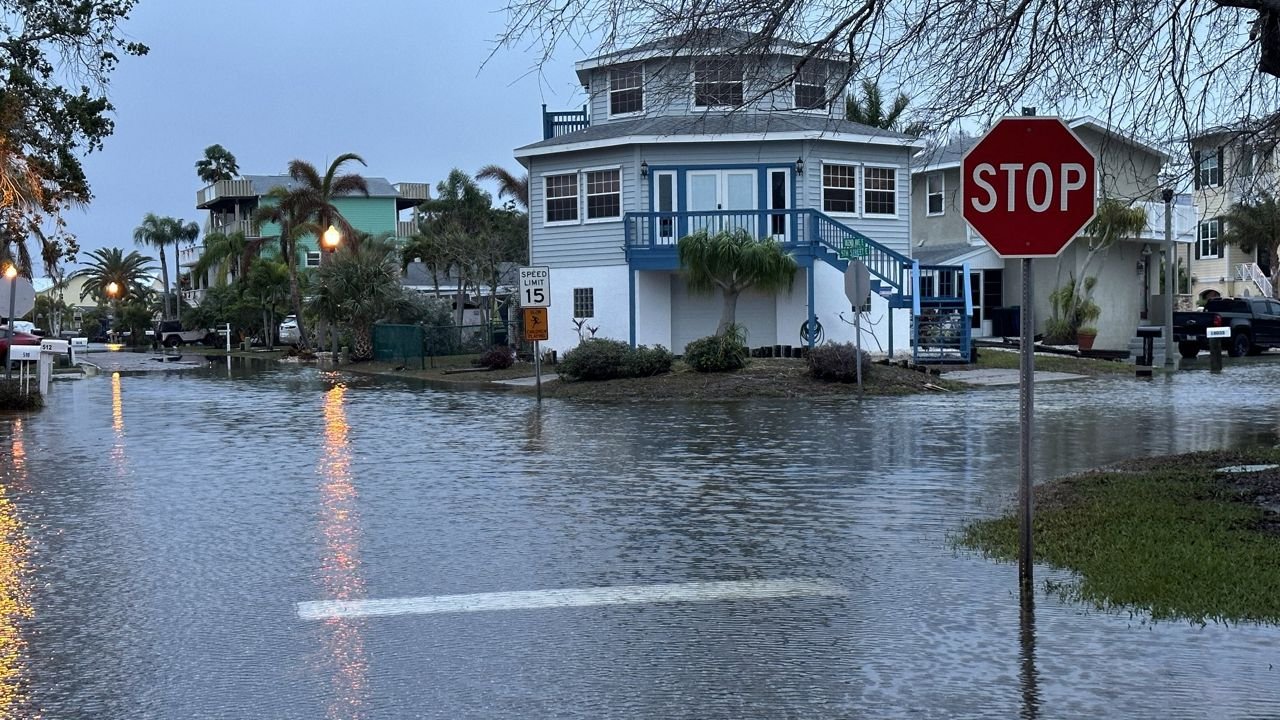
1148,333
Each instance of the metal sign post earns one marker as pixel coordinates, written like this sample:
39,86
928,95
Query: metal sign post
535,330
1026,416
857,287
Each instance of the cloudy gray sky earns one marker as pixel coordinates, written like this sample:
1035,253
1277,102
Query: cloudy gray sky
398,81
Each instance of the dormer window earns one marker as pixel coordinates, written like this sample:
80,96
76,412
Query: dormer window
626,90
717,83
811,88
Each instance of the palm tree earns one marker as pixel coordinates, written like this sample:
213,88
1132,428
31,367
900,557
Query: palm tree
218,164
509,186
281,207
733,261
266,284
131,273
226,256
358,287
870,110
1255,226
183,233
157,232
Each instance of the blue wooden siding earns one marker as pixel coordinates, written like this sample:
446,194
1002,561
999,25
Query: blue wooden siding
583,244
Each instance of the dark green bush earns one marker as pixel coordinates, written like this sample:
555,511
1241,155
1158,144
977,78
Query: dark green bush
498,357
648,361
12,398
716,353
600,359
837,362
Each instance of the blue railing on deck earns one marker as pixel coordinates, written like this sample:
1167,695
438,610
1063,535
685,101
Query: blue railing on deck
793,228
941,311
560,122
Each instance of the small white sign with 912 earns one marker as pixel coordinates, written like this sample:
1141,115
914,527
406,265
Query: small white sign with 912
535,286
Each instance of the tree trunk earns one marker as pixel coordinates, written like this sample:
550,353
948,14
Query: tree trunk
728,315
177,280
164,278
361,341
295,299
460,300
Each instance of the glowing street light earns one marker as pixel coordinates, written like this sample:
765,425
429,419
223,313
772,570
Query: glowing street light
331,239
113,289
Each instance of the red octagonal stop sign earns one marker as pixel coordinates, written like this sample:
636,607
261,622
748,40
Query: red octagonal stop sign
1028,187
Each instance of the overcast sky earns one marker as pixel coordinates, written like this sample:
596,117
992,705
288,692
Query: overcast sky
397,81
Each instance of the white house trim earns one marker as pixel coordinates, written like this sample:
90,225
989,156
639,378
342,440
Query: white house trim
726,137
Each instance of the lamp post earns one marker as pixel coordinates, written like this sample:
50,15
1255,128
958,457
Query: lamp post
113,289
1170,275
330,241
10,274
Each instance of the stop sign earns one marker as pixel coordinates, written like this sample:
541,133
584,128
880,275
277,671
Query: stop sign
1028,187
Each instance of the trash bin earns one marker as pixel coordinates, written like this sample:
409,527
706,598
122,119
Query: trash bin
1006,321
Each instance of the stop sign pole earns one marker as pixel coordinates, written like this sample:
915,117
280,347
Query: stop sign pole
1028,189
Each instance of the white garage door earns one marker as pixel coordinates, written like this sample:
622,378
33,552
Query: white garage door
696,315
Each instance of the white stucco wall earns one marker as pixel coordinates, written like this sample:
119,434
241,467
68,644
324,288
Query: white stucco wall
830,301
612,314
653,308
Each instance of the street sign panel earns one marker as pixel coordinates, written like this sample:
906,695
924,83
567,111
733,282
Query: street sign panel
1028,187
535,324
24,299
857,283
535,286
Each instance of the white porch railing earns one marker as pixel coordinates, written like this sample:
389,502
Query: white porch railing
1184,222
1250,272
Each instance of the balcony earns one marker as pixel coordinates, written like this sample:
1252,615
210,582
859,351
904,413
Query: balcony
222,190
406,228
562,122
412,194
231,227
1184,222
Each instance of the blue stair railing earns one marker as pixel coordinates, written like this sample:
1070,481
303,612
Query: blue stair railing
942,313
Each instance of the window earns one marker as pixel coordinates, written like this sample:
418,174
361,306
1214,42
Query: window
313,258
626,90
604,194
1208,245
584,302
717,83
1208,168
935,192
562,198
811,89
840,188
880,191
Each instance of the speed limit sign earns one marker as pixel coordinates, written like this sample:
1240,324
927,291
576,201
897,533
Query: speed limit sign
535,286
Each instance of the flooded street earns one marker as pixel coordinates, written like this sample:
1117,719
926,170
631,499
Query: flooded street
162,535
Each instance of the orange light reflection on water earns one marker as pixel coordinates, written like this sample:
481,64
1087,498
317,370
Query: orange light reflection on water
15,605
340,569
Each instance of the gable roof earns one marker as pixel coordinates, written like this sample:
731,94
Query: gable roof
949,155
718,127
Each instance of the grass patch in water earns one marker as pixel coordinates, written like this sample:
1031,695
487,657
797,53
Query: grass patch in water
12,397
1166,536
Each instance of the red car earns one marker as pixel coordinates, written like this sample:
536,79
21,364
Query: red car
19,338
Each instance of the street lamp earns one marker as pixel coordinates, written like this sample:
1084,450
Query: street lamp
331,239
113,289
10,274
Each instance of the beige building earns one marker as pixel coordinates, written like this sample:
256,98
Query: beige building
1128,285
1229,167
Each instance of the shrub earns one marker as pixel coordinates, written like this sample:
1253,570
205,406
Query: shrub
837,362
498,357
648,361
600,359
717,353
12,397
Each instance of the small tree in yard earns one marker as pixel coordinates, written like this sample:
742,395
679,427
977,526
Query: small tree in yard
1072,302
734,261
1255,225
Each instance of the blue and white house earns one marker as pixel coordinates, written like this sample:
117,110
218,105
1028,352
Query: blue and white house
674,140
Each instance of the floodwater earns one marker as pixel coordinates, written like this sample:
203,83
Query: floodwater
158,533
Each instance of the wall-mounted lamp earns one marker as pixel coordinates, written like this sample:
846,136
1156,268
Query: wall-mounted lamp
644,169
800,166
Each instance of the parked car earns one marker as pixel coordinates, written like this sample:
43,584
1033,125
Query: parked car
19,338
1254,323
289,330
171,334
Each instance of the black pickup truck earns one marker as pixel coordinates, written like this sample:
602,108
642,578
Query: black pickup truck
1254,323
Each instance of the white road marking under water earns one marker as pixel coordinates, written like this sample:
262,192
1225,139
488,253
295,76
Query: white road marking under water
570,597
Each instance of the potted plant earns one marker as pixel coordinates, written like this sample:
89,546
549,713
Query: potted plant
1085,336
1087,313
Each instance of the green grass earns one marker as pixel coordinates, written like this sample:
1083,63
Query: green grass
1161,536
13,399
1005,359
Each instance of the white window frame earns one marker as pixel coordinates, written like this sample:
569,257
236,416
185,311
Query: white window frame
1201,168
609,90
693,84
306,259
656,205
941,194
826,85
577,175
582,195
857,188
1208,243
897,184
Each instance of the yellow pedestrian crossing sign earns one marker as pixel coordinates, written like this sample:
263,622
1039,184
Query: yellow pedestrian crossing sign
535,324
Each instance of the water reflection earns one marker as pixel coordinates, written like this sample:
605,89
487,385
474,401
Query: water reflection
1029,678
341,577
15,606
